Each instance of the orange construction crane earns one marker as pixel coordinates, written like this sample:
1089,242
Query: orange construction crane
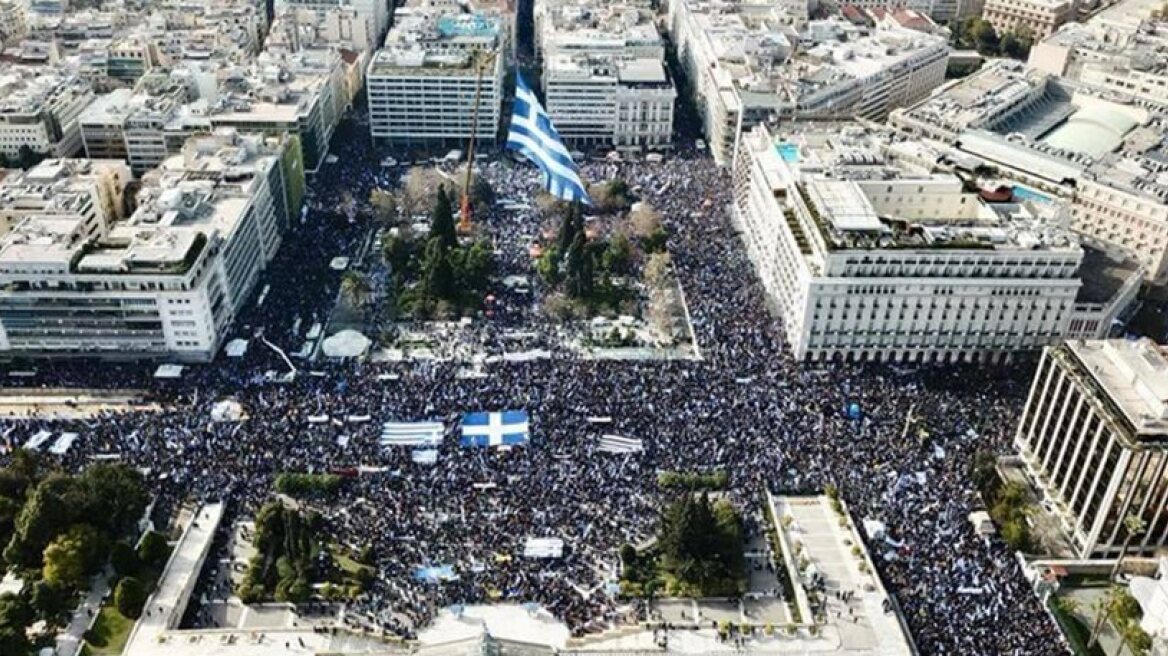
464,217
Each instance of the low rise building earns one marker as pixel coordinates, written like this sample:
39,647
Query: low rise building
436,66
1094,440
871,251
169,280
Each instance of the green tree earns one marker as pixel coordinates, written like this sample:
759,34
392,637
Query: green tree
437,274
477,266
74,556
123,559
618,255
442,220
113,497
571,225
701,548
52,603
548,266
153,549
398,251
986,37
48,512
579,277
129,597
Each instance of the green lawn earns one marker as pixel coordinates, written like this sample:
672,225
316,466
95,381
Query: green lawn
109,633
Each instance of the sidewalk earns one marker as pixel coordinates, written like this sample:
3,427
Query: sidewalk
69,641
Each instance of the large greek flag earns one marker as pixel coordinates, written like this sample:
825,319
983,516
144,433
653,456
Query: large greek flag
486,429
533,134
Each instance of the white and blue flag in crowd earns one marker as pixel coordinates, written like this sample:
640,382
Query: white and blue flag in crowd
483,429
411,433
533,134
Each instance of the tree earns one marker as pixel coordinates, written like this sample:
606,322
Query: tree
477,266
983,472
355,288
657,270
15,616
52,603
48,512
74,556
644,220
398,251
618,255
384,205
702,548
123,559
548,266
420,185
578,271
153,549
986,37
442,220
114,497
129,597
437,274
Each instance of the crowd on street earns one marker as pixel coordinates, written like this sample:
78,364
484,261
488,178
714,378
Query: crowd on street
745,407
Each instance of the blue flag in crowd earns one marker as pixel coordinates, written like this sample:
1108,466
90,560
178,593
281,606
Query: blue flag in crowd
533,134
507,428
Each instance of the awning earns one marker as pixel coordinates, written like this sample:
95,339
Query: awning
169,371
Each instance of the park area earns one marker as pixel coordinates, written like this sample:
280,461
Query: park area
446,274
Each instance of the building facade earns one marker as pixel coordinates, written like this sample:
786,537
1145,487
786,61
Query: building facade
422,87
1094,439
1040,17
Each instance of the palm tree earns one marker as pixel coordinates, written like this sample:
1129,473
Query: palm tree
355,288
1135,526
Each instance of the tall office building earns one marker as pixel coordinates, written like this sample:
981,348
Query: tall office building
1094,439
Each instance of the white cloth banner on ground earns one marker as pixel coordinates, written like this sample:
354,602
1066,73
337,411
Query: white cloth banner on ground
600,420
35,442
425,456
417,433
617,444
543,548
63,443
358,419
318,419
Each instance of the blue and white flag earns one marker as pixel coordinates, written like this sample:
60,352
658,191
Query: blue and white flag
533,134
507,428
417,433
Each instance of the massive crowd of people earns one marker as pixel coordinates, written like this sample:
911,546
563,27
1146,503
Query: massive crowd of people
745,407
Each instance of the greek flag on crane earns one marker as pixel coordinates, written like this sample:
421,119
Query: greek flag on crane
533,134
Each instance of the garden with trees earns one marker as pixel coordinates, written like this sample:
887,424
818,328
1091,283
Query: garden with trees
60,530
293,554
433,273
610,264
699,552
975,33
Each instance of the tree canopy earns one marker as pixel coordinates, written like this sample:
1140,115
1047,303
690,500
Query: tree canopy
701,546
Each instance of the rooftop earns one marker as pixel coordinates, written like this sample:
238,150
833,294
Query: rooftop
1133,377
852,178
